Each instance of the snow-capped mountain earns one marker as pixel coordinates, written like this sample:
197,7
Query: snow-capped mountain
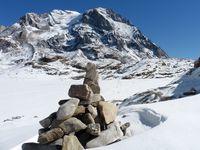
60,42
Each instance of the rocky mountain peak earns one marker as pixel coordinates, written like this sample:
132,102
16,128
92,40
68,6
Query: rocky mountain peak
99,35
35,20
102,18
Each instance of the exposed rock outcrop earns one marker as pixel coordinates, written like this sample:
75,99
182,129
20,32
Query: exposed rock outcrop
197,63
67,110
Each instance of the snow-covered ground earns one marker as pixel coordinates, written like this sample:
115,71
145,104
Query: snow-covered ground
171,125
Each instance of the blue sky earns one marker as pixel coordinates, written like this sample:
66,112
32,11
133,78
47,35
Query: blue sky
174,25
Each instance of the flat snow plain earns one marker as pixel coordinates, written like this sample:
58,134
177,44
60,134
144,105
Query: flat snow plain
34,97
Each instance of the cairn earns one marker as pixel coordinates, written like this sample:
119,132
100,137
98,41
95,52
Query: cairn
85,120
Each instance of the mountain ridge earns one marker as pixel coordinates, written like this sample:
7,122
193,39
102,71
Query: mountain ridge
70,39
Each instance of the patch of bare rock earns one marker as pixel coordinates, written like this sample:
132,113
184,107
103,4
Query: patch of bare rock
85,120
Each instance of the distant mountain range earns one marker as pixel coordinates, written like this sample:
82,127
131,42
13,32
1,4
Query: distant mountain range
60,42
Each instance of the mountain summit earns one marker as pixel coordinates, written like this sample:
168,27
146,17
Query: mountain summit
71,38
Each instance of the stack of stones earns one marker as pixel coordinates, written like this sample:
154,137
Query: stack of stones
85,120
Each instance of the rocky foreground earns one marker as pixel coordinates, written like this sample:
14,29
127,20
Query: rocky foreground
84,121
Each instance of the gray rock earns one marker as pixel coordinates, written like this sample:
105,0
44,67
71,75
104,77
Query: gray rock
43,130
46,123
87,118
72,125
94,129
91,73
108,111
124,127
57,142
79,110
192,91
84,103
36,146
96,98
67,109
92,77
50,136
55,123
61,102
71,143
106,137
95,87
82,92
93,111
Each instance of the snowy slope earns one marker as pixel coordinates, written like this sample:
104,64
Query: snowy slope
186,85
179,131
146,68
173,125
34,97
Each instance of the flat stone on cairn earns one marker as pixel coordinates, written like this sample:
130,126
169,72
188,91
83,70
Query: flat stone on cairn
67,109
85,120
82,92
72,125
50,136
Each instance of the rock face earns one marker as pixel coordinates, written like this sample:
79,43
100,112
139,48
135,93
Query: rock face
67,109
80,91
72,125
71,143
106,137
108,111
80,123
